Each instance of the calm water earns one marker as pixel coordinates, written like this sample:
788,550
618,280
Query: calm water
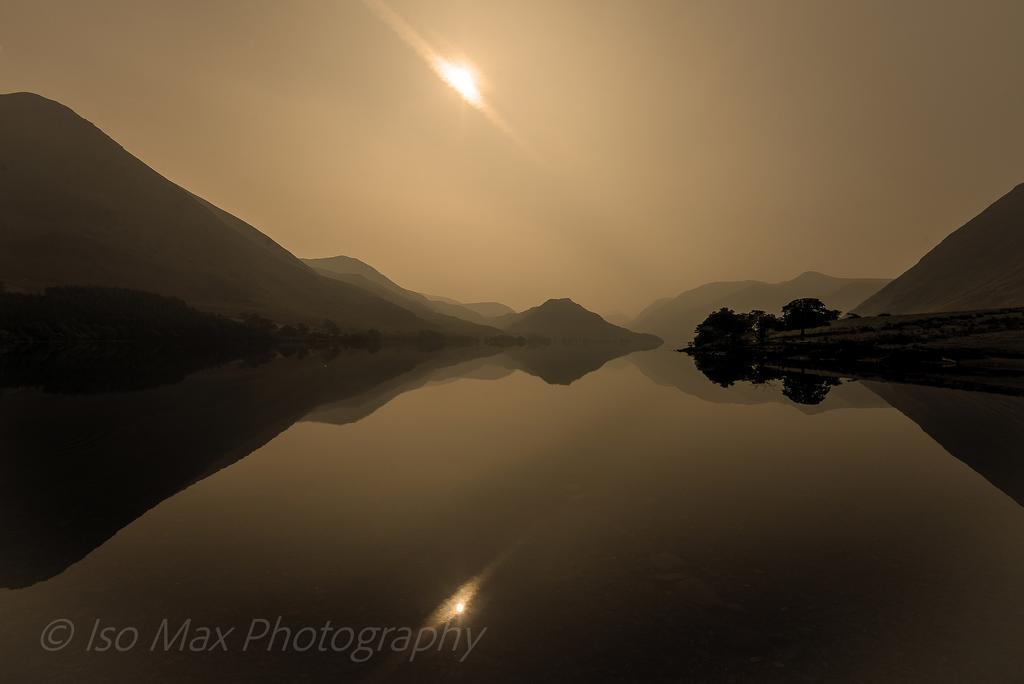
625,521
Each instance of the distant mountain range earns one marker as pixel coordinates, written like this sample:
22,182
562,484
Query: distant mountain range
978,266
361,274
555,319
77,209
675,318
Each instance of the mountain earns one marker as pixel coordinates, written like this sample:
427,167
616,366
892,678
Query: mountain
488,309
77,209
618,318
565,320
675,318
345,265
978,266
356,272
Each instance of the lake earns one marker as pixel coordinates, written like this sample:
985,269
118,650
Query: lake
565,514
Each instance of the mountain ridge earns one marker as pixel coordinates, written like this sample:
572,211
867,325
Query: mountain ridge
358,272
76,208
980,265
674,318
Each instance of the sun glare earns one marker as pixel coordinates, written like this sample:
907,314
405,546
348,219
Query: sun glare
460,78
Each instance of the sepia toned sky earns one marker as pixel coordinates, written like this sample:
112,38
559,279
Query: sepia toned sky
643,147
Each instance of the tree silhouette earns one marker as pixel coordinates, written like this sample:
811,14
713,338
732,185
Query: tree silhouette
807,312
724,327
762,323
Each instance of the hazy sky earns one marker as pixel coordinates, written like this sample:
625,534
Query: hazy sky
654,146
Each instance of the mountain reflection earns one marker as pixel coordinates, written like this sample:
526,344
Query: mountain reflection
78,467
984,430
93,438
732,529
86,452
732,383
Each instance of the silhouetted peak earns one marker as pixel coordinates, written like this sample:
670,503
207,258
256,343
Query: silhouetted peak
562,318
344,264
562,307
26,102
812,275
561,302
339,259
37,124
26,96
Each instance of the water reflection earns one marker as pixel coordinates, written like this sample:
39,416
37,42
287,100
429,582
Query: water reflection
139,425
612,528
797,385
746,384
984,430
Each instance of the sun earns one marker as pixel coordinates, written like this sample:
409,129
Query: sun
460,77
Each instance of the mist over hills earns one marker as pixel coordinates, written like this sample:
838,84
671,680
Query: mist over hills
356,272
485,309
978,266
77,209
674,318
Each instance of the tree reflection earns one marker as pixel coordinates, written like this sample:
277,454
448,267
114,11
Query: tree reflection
801,387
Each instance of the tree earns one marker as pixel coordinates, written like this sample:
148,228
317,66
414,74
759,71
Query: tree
807,312
762,323
724,327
